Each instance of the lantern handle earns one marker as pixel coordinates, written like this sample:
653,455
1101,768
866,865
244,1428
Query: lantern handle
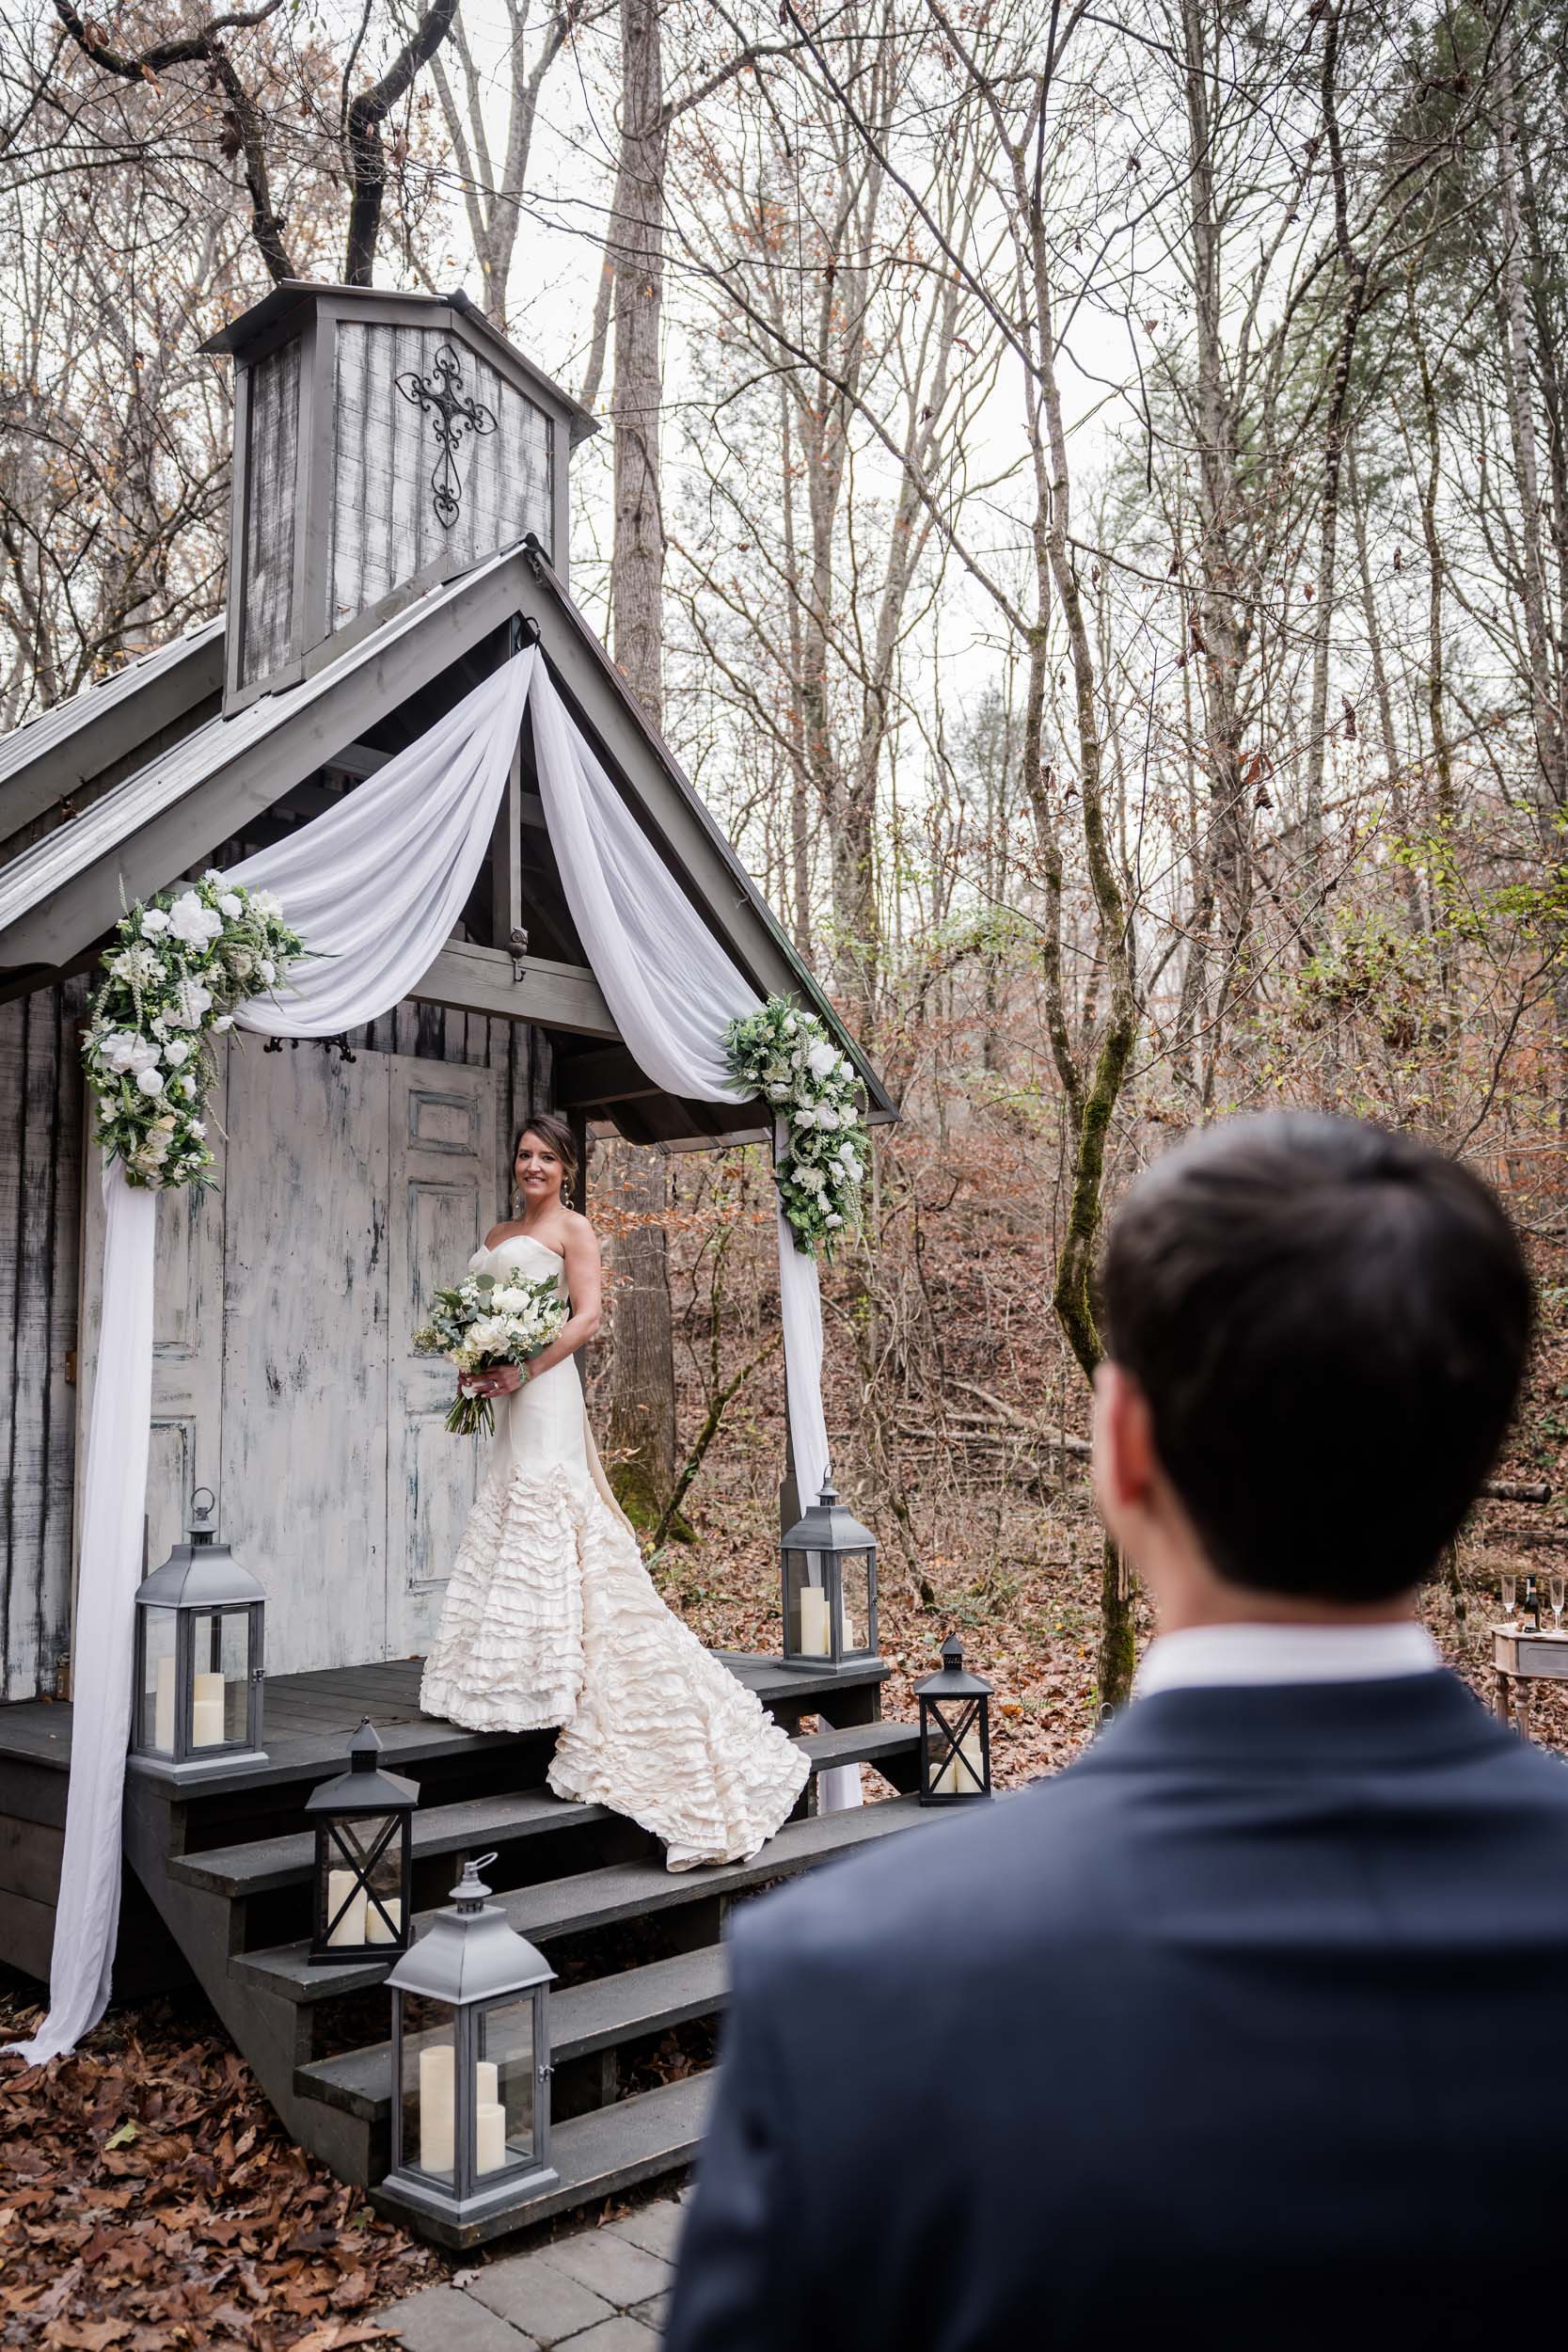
201,1514
471,1890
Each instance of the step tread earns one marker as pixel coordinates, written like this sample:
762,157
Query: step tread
594,1898
583,2017
267,1863
613,2148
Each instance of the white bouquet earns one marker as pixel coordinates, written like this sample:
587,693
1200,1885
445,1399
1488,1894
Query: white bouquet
485,1321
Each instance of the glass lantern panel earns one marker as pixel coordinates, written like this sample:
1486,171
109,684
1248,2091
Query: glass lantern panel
367,1856
507,2128
155,1712
854,1584
429,2060
220,1676
806,1604
956,1763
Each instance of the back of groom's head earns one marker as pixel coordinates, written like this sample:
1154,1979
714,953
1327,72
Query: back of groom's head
1329,1326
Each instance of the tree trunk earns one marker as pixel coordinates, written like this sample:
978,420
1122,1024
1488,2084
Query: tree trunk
643,1385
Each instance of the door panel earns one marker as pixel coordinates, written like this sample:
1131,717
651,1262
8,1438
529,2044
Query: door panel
187,1336
304,1347
442,1203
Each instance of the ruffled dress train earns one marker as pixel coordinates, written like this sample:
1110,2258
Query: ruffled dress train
552,1620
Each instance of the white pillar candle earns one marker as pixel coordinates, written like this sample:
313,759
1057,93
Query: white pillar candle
377,1929
163,1707
206,1727
487,2082
342,1894
851,1632
438,2076
952,1780
815,1641
490,2137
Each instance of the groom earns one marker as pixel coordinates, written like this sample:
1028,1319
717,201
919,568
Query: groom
1251,2029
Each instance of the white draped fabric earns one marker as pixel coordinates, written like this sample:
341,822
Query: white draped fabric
376,885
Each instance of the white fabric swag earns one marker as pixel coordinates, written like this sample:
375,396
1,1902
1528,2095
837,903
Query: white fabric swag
375,887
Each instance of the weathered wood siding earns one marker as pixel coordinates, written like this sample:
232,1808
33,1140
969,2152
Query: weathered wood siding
272,464
41,1158
385,524
223,1338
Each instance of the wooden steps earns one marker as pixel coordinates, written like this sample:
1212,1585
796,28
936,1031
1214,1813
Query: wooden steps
604,2013
226,1869
558,1908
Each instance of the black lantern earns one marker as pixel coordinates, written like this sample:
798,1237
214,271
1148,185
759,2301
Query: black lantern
198,1671
470,2067
955,1731
829,1590
364,1857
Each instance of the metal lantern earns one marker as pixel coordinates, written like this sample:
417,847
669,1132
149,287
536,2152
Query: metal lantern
955,1731
364,1881
830,1589
198,1670
470,2067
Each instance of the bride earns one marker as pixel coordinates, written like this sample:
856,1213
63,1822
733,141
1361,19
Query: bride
550,1616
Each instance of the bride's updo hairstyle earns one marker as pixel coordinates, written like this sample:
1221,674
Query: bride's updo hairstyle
557,1135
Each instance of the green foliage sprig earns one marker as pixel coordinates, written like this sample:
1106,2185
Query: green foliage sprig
786,1057
182,962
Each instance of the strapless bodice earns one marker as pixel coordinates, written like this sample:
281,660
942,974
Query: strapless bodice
535,1258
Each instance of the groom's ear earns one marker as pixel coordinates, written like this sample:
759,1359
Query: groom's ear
1125,1461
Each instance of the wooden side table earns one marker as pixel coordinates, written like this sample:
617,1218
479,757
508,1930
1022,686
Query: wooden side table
1520,1654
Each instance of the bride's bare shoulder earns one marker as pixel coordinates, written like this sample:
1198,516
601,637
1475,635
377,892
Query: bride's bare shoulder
500,1233
575,1227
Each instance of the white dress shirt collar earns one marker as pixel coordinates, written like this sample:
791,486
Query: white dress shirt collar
1214,1657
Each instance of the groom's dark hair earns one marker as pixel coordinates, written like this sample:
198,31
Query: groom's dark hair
1330,1324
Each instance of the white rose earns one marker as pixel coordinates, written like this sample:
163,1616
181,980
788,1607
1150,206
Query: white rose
150,1080
265,903
152,922
789,1024
198,1127
809,1179
187,920
778,1095
827,1117
118,1049
179,1051
804,1116
211,875
224,1021
834,1218
821,1058
187,1087
231,905
854,1171
144,1054
268,970
194,1001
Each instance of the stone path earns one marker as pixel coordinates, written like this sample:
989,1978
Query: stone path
603,2290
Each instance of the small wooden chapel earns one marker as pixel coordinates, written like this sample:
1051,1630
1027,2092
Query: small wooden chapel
401,513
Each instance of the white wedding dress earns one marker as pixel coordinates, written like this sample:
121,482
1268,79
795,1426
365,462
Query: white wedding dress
550,1618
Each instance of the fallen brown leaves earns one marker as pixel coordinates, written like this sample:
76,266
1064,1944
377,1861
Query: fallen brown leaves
150,2198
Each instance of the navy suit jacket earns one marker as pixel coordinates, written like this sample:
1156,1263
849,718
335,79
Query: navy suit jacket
1251,2029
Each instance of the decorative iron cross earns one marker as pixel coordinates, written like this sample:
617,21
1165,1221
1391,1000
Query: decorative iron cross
453,412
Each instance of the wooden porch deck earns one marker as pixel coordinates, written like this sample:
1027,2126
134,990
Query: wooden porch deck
219,1880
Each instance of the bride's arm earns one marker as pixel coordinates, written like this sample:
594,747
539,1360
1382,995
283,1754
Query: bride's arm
584,1287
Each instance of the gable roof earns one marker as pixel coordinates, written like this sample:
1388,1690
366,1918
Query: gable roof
64,893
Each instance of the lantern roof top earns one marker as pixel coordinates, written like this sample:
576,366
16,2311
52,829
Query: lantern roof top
827,1526
471,1953
201,1573
364,1787
954,1680
271,320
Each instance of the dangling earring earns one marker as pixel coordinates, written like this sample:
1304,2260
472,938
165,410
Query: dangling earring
517,1201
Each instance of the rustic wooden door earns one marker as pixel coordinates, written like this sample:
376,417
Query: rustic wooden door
284,1374
442,1202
